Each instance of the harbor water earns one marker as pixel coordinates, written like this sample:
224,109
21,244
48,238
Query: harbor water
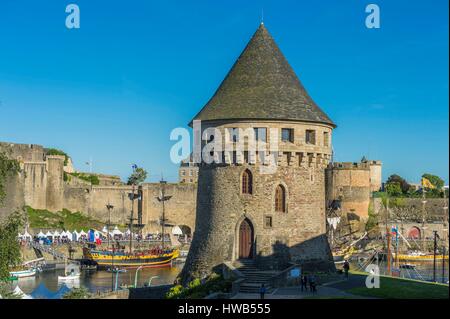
101,280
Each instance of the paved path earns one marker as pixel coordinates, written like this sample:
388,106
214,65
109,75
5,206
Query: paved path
296,293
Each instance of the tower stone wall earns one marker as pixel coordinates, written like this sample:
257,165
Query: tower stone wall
349,183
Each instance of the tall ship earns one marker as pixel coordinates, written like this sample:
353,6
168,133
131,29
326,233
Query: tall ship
116,257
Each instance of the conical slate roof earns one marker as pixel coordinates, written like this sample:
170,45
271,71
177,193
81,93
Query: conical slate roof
262,85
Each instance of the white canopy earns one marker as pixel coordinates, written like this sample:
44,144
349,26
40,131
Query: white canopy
177,231
105,229
27,235
116,231
40,235
75,235
49,234
82,233
128,232
19,292
56,234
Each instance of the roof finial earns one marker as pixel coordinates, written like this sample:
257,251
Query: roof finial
262,15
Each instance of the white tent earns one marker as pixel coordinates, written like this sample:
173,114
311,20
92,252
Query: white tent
41,235
96,234
19,292
105,229
56,234
69,235
75,235
82,233
128,232
49,234
176,230
116,231
27,235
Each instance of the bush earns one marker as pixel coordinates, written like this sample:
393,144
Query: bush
93,179
197,290
54,151
78,293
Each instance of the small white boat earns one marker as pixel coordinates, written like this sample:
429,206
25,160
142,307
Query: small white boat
23,273
71,277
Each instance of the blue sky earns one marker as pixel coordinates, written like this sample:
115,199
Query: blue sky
115,88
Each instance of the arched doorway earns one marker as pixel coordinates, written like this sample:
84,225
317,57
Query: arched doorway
246,238
414,233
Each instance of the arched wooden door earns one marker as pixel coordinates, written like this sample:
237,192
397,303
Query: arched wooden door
414,233
245,239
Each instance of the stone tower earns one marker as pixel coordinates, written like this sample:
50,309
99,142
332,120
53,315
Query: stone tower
247,206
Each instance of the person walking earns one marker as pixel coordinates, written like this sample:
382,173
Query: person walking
346,268
304,283
312,283
262,291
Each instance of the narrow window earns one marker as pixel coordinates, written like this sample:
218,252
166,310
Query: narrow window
234,134
310,137
326,139
268,221
183,173
280,199
260,134
247,182
287,135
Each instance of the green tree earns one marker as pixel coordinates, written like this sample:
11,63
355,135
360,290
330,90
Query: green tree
137,177
10,255
394,178
393,189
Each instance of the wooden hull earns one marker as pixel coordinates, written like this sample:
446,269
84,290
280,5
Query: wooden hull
23,273
107,259
420,258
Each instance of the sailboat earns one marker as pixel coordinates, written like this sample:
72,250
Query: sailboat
153,257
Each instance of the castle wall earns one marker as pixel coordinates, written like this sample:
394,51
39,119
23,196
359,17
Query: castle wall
15,199
23,152
349,182
35,184
179,210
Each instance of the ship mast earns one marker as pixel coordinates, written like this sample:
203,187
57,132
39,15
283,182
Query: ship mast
132,196
163,198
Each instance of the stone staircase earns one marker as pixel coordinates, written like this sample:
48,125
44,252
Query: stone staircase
254,277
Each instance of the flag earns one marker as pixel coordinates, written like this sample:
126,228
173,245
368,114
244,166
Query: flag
427,184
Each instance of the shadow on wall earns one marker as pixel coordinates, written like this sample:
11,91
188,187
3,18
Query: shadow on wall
313,254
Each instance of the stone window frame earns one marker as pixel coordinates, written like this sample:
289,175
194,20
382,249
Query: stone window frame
250,184
326,138
308,134
286,198
291,138
264,221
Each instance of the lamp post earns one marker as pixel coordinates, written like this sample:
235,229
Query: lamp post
150,281
110,207
135,276
434,255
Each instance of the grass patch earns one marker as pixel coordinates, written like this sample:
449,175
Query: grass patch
65,219
198,290
399,288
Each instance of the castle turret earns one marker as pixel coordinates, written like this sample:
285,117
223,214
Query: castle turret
55,182
266,205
